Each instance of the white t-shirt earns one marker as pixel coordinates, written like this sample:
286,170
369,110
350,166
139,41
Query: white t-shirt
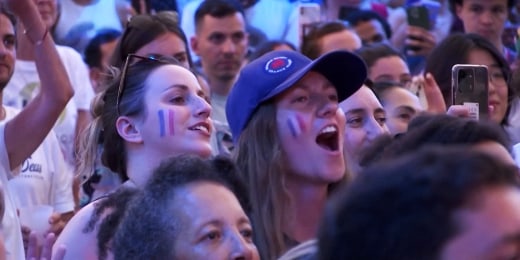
77,24
218,108
43,178
25,84
11,229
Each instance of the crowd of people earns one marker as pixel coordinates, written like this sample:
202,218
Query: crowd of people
227,129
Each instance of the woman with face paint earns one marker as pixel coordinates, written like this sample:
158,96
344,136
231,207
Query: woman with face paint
144,35
153,110
288,129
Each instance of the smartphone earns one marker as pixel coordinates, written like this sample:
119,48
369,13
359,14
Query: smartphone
470,85
418,15
308,14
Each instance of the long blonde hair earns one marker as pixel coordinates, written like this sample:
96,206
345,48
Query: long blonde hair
88,143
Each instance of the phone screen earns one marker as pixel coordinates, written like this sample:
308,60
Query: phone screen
470,89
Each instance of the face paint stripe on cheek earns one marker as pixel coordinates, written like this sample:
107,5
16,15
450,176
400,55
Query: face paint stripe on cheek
301,123
293,124
162,127
171,117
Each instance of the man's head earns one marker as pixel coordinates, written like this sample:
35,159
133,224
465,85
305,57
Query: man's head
7,46
98,53
438,203
484,17
370,26
329,36
220,39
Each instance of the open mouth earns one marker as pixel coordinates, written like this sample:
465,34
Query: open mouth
201,127
328,138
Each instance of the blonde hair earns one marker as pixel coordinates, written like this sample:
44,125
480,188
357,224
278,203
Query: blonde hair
89,142
305,250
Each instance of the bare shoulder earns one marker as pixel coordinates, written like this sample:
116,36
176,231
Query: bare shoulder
79,240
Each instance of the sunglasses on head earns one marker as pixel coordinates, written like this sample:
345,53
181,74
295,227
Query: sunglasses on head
132,59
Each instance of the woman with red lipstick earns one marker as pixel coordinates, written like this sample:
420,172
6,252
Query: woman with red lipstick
288,130
474,49
152,110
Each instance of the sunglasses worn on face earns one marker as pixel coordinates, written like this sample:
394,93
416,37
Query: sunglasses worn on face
130,60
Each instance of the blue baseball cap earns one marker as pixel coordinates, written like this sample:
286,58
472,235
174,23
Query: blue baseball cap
276,71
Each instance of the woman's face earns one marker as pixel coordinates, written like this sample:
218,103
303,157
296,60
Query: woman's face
401,107
176,117
212,224
365,120
390,69
310,127
497,94
168,44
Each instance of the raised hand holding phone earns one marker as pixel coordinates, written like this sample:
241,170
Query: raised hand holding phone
421,18
470,86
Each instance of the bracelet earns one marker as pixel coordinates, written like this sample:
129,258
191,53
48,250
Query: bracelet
39,42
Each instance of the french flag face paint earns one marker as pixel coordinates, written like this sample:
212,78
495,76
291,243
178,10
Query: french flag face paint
296,125
166,125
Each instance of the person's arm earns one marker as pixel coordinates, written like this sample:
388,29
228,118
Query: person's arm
25,132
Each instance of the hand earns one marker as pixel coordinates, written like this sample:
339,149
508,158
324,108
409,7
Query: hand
34,252
433,95
58,222
26,231
421,39
458,111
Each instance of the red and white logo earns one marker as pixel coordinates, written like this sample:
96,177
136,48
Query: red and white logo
278,64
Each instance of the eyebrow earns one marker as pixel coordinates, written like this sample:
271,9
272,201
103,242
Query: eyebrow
407,108
379,110
180,53
244,220
355,111
181,86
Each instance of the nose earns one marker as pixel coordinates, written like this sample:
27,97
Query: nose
491,87
3,50
228,46
241,249
328,109
202,108
486,17
374,129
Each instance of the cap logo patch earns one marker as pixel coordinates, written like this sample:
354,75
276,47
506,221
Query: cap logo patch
278,64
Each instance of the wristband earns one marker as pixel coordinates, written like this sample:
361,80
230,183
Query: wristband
39,42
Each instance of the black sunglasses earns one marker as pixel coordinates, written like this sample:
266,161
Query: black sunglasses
128,62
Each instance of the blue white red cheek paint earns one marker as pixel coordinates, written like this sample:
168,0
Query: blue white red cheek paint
166,122
296,125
